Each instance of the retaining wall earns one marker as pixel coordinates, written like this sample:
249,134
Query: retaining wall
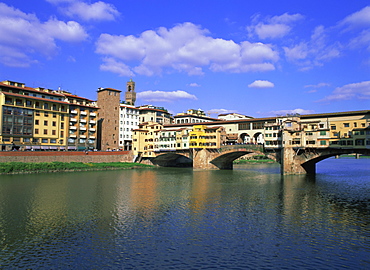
65,156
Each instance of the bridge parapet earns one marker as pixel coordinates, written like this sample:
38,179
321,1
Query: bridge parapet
253,147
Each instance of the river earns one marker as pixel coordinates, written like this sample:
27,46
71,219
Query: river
177,218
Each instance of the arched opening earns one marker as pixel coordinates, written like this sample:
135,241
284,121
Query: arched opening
245,138
172,160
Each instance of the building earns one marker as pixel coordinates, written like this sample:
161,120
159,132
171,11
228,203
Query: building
233,116
193,116
40,119
82,126
150,113
108,122
128,121
145,139
130,95
203,136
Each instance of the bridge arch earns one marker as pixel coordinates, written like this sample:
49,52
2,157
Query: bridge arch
225,159
308,160
172,159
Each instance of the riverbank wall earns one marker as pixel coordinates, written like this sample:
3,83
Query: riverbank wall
66,156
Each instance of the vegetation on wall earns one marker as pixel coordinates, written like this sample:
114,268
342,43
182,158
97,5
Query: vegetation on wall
31,167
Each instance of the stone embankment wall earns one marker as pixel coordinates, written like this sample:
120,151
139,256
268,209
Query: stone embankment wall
89,157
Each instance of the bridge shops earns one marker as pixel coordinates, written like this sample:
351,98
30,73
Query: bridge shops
296,142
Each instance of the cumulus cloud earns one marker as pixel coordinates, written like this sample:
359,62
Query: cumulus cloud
293,111
359,90
261,84
111,65
97,11
30,36
185,48
164,96
273,27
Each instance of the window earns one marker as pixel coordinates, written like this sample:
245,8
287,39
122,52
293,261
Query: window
45,122
37,113
45,132
28,103
46,114
346,124
53,132
44,140
333,127
36,131
46,106
322,142
36,122
322,133
54,124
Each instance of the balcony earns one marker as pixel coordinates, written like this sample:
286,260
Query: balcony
83,128
82,136
73,119
74,112
73,127
92,129
82,121
83,113
93,114
92,122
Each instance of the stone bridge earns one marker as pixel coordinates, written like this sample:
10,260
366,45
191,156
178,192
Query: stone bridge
292,160
303,160
200,158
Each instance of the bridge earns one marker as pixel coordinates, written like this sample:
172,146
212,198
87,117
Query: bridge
293,160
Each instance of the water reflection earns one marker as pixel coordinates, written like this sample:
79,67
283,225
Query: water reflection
248,218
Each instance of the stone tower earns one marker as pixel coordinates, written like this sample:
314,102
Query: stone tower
108,121
130,95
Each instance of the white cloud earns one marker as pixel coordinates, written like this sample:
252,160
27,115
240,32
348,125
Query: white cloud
319,85
358,19
185,48
194,85
30,37
164,96
220,111
293,111
112,65
314,52
359,90
95,11
274,27
261,84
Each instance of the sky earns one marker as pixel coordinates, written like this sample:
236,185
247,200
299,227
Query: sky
257,58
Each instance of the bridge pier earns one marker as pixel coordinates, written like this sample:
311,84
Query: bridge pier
202,160
292,163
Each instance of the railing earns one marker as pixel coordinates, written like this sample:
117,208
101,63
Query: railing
255,147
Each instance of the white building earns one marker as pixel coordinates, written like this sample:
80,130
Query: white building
128,120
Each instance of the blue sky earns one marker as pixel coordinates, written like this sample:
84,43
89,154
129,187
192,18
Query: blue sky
258,58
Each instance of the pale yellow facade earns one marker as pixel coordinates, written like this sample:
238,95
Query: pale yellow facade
145,139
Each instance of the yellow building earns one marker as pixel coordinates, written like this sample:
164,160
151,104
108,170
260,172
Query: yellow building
207,137
32,118
145,139
44,119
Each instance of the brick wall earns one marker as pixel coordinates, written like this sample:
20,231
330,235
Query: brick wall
90,157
